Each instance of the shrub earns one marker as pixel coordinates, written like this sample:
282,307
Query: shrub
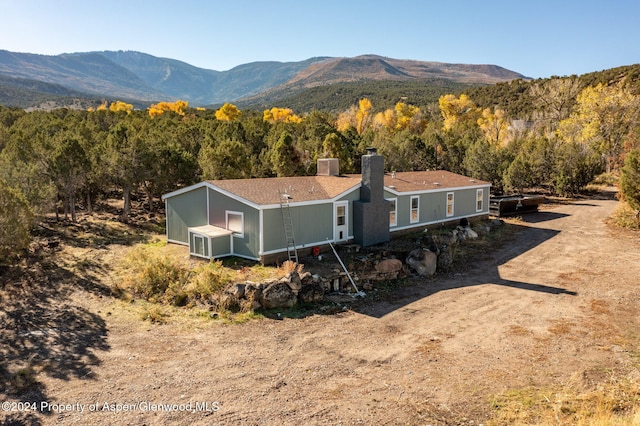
625,217
157,278
630,179
154,314
208,280
15,222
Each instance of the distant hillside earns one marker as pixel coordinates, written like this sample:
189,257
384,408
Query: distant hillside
90,73
372,67
179,80
145,78
25,93
338,97
369,69
513,96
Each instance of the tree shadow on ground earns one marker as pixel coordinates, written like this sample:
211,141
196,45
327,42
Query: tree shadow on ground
88,233
44,332
543,216
484,270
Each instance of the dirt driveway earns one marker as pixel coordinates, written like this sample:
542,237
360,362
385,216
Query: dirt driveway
559,303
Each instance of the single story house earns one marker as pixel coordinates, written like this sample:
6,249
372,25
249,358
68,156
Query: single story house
248,217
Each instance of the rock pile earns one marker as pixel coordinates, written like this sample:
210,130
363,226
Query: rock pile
282,293
434,253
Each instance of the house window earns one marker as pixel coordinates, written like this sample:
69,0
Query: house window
341,217
449,204
235,223
415,209
479,199
392,212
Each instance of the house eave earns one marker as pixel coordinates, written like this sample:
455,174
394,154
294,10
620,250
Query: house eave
434,190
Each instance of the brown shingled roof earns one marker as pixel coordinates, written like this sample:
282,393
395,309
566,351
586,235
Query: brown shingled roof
428,180
300,188
264,191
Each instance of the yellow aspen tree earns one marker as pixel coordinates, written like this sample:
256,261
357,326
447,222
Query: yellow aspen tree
179,106
120,106
101,107
494,126
161,107
603,118
363,115
406,115
284,115
228,112
455,110
386,119
347,119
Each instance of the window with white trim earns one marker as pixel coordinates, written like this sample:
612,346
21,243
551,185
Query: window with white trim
393,220
450,206
235,223
415,209
341,215
479,199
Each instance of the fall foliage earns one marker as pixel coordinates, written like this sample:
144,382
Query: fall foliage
228,112
57,160
283,115
160,108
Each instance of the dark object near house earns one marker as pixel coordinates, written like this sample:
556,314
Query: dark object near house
506,205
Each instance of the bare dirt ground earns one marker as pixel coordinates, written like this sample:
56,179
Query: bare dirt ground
558,303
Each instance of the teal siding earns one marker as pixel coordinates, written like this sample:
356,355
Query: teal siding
249,244
465,203
273,230
184,211
433,206
311,224
220,246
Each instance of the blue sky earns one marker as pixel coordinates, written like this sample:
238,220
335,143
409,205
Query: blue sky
536,38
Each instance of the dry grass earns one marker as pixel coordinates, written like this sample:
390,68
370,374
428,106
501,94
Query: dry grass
625,217
162,279
614,402
561,326
518,330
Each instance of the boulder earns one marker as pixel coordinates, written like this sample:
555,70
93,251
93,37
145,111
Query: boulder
388,265
311,293
253,292
429,242
278,295
424,262
495,223
465,233
294,281
471,234
445,260
483,229
237,290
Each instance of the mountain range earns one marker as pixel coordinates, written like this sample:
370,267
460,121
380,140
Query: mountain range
28,79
